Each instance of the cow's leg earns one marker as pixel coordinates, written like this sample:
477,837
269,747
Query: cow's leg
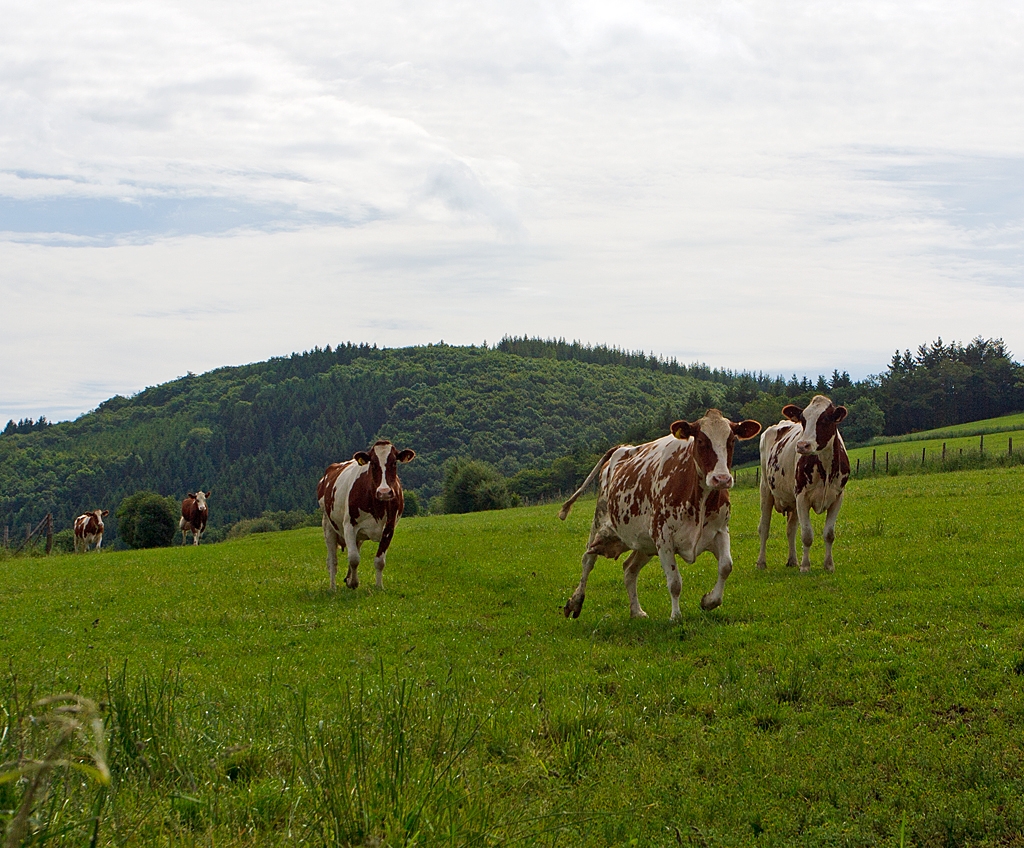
575,603
181,527
765,524
722,551
352,544
382,549
829,534
196,533
792,522
672,578
331,540
99,541
630,571
803,513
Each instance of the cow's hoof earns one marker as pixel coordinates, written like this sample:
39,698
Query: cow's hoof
707,603
761,566
790,563
830,567
805,569
573,607
637,614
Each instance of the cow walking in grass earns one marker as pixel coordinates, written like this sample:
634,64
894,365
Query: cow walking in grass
804,466
194,513
89,530
665,498
362,500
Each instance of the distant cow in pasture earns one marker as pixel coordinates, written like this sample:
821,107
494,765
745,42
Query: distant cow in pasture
362,500
666,497
194,514
89,530
804,466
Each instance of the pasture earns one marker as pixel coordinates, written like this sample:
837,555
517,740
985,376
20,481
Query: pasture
246,705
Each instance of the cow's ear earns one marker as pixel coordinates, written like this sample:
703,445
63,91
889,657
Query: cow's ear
106,512
408,455
191,495
747,429
207,494
684,429
792,412
362,457
839,413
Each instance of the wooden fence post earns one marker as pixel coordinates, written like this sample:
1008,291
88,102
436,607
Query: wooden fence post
922,457
981,446
49,532
757,476
943,451
858,466
887,462
1009,448
872,459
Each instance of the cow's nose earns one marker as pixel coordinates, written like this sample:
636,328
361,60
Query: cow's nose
384,493
804,447
721,481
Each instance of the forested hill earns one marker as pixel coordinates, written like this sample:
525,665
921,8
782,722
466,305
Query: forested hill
259,436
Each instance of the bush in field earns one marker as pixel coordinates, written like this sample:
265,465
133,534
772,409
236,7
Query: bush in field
866,420
474,486
247,526
147,520
412,503
272,521
64,541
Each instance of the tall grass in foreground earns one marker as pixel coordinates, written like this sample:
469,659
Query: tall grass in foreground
394,763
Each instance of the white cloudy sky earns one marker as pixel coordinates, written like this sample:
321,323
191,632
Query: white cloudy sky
777,186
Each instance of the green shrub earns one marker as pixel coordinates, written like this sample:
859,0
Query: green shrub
147,520
412,503
64,541
264,524
474,486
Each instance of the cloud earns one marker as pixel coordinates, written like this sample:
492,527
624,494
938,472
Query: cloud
696,180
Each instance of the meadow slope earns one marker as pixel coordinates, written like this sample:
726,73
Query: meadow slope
817,709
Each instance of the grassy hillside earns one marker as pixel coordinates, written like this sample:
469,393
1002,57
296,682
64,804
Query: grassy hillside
260,436
878,705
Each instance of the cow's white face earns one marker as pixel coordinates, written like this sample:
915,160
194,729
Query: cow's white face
383,459
714,437
819,420
201,500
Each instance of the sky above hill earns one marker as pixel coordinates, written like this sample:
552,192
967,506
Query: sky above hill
789,187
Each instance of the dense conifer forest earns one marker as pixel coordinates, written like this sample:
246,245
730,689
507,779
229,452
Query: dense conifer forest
538,411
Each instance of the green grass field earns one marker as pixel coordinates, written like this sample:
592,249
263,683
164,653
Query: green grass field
880,705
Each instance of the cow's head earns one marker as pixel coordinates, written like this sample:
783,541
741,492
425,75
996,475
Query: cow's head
714,437
200,499
383,459
99,513
819,419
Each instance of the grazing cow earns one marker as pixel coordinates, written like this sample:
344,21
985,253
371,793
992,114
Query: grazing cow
362,499
89,530
804,466
194,513
666,497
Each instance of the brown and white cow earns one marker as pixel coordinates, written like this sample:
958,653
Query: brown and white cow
194,513
804,466
89,529
362,500
667,497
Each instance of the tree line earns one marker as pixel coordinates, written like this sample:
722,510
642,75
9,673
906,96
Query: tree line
523,419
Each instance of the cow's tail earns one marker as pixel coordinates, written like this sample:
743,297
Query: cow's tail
563,513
